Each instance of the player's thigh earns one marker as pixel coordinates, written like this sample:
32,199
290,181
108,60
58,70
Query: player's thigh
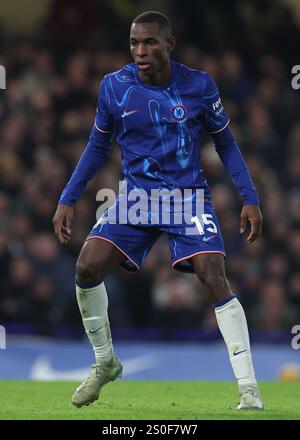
209,265
98,257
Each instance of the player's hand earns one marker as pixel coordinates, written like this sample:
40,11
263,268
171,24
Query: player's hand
253,214
62,222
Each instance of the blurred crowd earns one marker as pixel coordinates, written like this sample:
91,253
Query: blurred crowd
47,112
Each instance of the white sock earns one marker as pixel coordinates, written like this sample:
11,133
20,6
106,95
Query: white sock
233,326
93,305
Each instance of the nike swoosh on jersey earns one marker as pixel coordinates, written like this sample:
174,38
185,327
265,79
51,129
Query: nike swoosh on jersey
125,113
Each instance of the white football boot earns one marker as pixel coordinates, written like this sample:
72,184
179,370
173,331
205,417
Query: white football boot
99,375
250,397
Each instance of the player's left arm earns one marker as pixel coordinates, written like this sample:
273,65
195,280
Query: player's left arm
216,122
236,166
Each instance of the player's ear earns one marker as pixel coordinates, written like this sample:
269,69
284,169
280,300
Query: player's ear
171,43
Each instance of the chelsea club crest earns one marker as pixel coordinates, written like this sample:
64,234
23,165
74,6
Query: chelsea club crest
178,113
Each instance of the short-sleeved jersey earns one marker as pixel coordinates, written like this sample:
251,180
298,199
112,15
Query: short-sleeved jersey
158,128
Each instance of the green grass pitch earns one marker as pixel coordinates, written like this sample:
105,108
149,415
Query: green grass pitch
146,400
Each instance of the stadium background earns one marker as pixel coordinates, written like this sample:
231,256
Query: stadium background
55,52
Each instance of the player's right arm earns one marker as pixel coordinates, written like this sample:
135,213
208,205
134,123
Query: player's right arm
62,223
93,157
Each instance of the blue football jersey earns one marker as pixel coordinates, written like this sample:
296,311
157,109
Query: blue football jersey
157,128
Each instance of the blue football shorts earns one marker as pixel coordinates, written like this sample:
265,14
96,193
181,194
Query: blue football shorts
203,236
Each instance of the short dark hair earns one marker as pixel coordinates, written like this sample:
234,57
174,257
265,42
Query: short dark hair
155,17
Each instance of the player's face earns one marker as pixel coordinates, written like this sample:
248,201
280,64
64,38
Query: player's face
150,47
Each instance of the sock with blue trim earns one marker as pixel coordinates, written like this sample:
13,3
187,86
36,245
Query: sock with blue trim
233,326
93,303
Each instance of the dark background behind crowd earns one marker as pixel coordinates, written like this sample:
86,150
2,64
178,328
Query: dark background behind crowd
46,113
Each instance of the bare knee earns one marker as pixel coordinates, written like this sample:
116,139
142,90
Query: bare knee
87,272
211,272
217,286
97,258
213,281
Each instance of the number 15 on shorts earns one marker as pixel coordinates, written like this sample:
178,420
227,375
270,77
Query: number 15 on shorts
206,220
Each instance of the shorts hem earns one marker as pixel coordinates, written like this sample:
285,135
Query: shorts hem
137,268
191,256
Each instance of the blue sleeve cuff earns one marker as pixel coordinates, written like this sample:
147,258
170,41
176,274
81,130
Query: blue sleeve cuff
254,200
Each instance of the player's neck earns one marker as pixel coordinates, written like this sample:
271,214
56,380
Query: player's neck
159,78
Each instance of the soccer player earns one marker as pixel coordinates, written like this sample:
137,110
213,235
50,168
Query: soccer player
156,109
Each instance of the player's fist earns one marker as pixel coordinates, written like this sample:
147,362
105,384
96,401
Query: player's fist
62,223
